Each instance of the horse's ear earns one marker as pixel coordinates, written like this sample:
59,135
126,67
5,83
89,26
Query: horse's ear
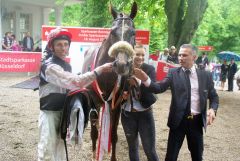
133,10
112,11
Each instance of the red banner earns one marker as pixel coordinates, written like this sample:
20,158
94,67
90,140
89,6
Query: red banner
162,69
20,61
205,48
94,35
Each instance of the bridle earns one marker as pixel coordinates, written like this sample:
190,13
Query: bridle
133,90
123,19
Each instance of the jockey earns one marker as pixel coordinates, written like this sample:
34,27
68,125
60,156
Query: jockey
55,80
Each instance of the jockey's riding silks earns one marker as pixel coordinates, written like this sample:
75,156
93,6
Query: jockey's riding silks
55,80
52,97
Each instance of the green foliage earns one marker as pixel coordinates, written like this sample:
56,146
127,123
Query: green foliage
220,26
94,13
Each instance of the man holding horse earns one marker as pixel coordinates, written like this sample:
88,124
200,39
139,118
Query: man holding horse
137,116
55,80
188,113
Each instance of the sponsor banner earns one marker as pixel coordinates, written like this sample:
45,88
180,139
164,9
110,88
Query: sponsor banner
20,61
162,69
94,35
85,38
205,48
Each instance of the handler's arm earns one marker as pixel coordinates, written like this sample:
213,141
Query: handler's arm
213,101
154,87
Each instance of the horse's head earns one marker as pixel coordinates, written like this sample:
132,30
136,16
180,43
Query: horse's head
123,35
123,52
123,28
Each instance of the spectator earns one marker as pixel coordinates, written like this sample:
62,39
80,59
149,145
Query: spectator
237,77
155,56
28,42
224,70
202,61
216,75
15,45
173,56
157,53
164,56
232,69
7,41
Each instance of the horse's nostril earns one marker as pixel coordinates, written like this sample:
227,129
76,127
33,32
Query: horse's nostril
115,64
121,69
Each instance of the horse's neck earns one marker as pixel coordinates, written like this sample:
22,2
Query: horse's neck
103,56
106,81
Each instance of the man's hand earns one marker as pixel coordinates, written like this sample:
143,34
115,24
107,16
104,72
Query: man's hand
133,81
210,116
107,67
140,74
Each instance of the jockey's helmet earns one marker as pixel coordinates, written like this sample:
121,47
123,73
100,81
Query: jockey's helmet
58,34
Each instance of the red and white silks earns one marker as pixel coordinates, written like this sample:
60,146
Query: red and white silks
104,140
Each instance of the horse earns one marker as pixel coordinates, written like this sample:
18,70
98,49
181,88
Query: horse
122,31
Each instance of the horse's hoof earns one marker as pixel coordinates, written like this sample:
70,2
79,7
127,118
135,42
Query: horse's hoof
113,159
94,157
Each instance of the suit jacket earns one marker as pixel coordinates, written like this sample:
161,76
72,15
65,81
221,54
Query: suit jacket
232,69
177,82
202,62
25,42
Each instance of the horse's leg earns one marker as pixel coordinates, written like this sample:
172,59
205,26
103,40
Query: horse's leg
94,131
115,114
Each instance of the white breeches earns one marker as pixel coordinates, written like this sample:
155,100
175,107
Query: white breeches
50,146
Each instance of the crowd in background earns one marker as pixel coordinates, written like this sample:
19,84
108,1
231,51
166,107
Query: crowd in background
168,55
220,72
9,43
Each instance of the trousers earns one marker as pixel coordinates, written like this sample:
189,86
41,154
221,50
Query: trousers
50,145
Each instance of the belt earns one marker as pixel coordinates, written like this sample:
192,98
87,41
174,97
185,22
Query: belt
193,116
134,110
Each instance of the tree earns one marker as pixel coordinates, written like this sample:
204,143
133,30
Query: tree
220,27
184,17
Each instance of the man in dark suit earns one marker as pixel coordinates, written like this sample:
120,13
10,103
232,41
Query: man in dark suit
202,61
232,69
188,113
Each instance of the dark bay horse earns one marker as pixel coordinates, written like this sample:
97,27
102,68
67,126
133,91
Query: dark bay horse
122,32
123,29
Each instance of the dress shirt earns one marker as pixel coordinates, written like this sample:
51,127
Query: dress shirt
195,100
